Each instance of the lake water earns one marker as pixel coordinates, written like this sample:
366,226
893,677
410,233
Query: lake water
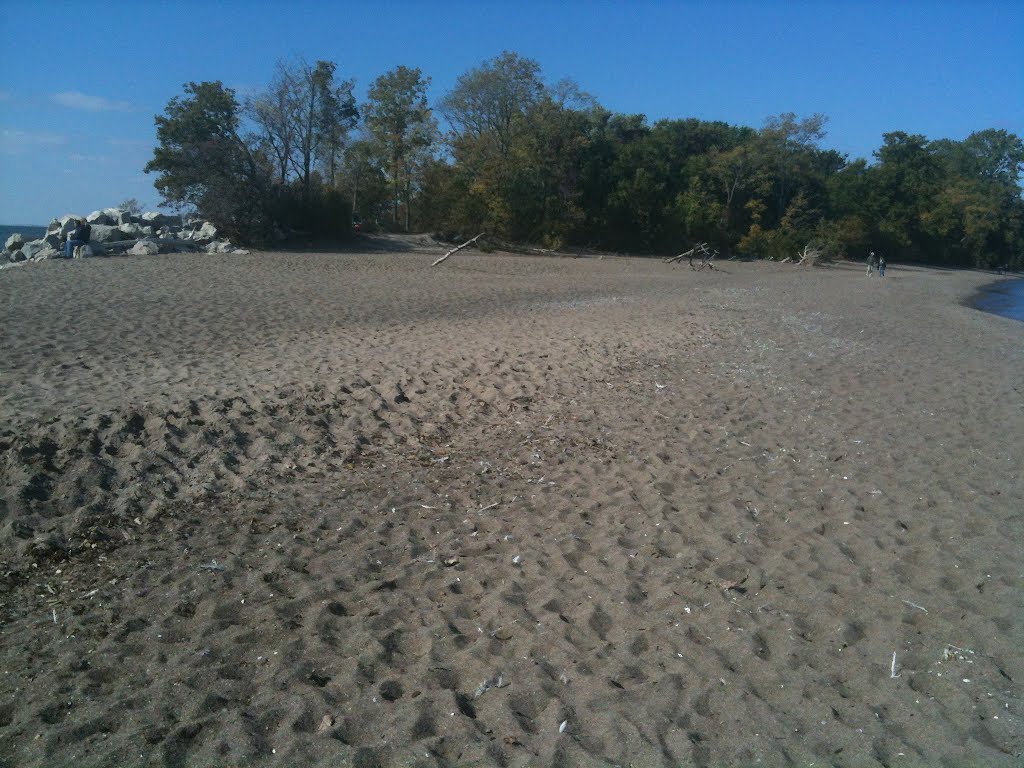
28,232
1005,298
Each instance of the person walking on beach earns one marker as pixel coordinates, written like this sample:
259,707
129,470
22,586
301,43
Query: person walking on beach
78,236
872,261
881,266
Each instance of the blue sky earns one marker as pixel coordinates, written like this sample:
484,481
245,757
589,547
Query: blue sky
76,113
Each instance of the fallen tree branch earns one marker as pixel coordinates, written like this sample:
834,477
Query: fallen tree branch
680,257
459,248
700,249
809,255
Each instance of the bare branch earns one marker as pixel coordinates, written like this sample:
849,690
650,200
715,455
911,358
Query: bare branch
459,248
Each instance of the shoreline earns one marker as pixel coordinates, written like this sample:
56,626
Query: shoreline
1013,310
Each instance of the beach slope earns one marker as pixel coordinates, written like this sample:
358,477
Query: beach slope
347,509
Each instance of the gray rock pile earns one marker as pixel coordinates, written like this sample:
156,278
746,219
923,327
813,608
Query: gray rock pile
117,232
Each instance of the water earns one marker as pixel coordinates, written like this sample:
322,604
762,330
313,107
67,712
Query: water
1004,298
29,233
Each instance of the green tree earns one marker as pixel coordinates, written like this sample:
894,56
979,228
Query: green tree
273,112
485,101
787,148
403,130
324,111
131,205
202,161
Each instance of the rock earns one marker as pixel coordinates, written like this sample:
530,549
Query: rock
157,219
99,217
222,246
63,225
116,231
102,233
145,248
206,232
134,231
33,247
46,253
240,252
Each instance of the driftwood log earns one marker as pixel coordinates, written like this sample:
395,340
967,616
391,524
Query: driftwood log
459,248
809,255
701,249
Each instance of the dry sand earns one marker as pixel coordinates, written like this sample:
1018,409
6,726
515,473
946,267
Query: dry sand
346,509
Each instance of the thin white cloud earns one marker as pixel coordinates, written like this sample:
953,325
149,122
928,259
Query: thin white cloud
78,100
14,141
89,159
4,95
127,144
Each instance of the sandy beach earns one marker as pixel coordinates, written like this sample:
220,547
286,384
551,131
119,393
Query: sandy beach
348,509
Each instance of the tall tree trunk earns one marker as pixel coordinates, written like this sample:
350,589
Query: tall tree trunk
408,200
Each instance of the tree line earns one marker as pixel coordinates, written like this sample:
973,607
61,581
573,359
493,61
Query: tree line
529,161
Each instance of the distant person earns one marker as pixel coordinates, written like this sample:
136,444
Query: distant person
78,236
872,263
881,266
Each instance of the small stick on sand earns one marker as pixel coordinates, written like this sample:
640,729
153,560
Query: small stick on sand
489,506
915,605
892,670
459,248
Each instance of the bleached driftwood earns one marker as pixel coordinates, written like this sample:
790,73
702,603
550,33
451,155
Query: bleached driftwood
702,250
459,248
681,256
809,255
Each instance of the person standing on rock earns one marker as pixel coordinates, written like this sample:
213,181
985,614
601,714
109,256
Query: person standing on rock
79,236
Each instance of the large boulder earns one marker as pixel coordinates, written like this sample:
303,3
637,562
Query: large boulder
157,219
102,233
14,242
205,232
134,231
124,217
84,252
52,239
145,248
31,248
46,253
62,226
222,246
100,217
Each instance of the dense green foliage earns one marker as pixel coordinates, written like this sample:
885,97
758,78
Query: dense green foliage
530,162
